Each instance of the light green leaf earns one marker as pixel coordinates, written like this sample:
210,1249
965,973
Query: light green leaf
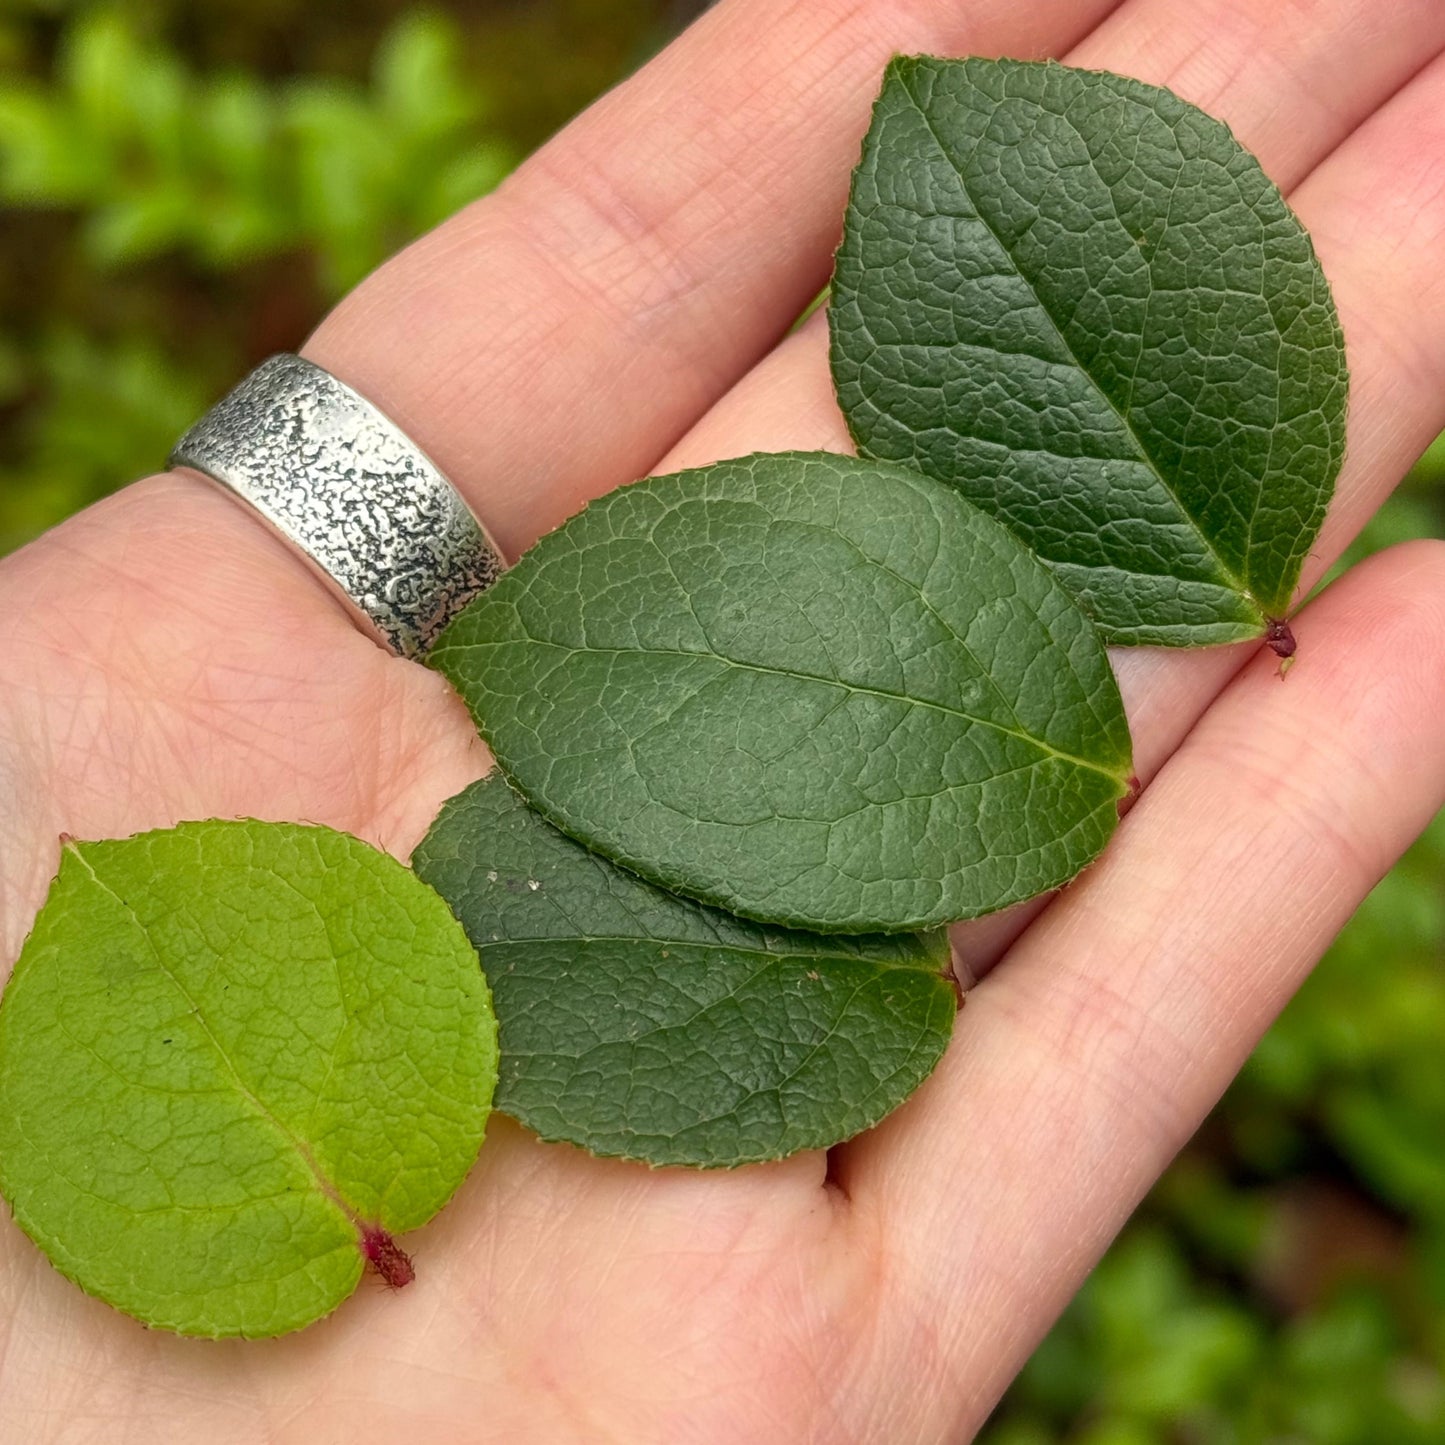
235,1057
1078,300
636,1023
816,691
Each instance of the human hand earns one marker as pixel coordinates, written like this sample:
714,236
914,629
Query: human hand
615,310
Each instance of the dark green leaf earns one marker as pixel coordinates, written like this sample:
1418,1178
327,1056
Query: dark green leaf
1078,300
230,1054
815,691
635,1022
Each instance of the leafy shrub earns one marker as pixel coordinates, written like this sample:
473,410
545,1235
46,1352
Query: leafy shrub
170,223
224,169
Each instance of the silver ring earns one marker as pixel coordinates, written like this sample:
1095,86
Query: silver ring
352,492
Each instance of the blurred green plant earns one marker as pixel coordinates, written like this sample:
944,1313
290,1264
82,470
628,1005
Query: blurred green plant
169,223
111,412
225,169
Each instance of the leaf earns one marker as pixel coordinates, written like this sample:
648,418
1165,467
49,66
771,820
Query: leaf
819,692
1079,301
636,1023
235,1057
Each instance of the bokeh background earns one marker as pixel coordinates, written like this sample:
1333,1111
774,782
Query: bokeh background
187,184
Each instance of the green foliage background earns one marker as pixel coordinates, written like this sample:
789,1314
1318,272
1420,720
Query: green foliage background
187,186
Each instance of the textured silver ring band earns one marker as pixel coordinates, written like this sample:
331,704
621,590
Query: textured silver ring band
352,492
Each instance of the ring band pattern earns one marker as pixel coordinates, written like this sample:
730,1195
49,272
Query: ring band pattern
352,492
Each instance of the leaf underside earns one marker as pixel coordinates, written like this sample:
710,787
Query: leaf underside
637,1023
226,1050
1078,300
816,691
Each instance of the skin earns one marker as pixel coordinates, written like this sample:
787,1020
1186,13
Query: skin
618,308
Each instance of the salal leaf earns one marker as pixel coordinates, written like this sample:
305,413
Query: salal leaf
819,692
637,1023
1076,299
236,1059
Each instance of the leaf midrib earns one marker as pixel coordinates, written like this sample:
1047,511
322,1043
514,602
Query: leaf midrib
766,954
1047,749
329,1190
871,979
1124,420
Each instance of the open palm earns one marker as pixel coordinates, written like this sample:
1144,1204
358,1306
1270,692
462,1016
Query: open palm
616,310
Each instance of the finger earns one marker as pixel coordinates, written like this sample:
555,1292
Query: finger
1083,1063
554,339
1292,80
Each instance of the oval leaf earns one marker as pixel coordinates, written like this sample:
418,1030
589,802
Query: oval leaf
636,1023
235,1059
816,691
1078,300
